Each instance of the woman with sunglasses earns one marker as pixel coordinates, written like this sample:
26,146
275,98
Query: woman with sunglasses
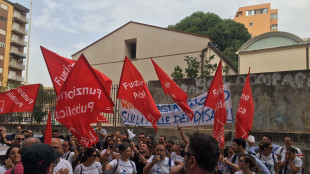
247,165
89,163
122,164
70,151
12,158
268,158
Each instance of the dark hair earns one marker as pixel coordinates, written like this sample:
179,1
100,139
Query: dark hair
122,147
206,159
163,136
127,140
69,143
7,154
55,130
252,163
292,149
262,146
142,134
106,142
240,141
88,152
269,137
23,131
170,141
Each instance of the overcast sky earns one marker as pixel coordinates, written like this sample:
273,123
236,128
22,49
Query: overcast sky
66,26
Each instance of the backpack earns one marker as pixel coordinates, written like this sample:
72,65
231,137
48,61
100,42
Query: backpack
117,166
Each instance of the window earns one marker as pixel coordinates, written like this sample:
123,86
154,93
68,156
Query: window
3,18
274,27
131,46
5,7
239,14
2,32
274,16
2,44
264,10
249,13
0,70
1,57
251,24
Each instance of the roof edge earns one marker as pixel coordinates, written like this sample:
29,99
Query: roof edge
194,34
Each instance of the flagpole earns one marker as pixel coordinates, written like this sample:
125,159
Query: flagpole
200,117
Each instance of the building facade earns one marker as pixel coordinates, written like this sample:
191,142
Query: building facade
273,52
258,19
13,22
139,42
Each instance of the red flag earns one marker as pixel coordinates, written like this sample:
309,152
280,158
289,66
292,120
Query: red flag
21,99
60,67
175,92
245,113
80,102
48,130
132,88
216,100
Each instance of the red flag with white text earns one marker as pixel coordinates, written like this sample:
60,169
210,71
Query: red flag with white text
216,100
133,89
175,92
60,67
80,102
245,113
21,99
48,130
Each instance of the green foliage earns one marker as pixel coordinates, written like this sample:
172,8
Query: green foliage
177,73
38,113
208,68
192,69
228,36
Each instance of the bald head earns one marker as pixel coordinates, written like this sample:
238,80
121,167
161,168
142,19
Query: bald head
56,144
28,142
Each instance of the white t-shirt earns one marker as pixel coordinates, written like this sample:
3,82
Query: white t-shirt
3,169
282,152
110,157
175,157
123,167
248,146
95,168
161,166
297,162
63,164
268,161
69,156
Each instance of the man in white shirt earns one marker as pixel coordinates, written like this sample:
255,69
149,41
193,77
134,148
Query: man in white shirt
288,142
290,163
159,163
61,163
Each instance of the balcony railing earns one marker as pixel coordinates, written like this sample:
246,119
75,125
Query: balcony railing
20,18
16,77
17,29
20,54
18,42
14,64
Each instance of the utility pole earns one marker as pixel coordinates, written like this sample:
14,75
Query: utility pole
28,47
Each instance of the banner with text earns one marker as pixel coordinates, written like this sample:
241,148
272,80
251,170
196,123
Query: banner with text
171,114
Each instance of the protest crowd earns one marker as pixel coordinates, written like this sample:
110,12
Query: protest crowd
121,153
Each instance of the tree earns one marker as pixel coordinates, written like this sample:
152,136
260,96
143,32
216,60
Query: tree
38,114
192,69
228,36
177,73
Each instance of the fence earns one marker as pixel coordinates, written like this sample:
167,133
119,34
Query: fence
47,99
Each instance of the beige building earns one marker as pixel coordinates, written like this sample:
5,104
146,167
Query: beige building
139,42
13,22
274,51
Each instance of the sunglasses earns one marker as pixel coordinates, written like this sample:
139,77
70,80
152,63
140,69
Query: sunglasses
20,139
93,155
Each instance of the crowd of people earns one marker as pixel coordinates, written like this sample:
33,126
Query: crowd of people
118,153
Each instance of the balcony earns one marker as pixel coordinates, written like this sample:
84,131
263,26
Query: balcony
20,18
18,30
17,53
18,42
14,77
16,65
